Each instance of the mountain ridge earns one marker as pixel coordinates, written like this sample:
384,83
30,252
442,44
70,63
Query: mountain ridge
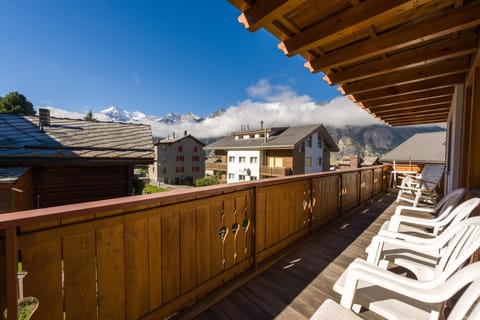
367,140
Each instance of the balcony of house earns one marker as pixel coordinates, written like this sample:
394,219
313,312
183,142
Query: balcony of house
218,166
152,256
266,171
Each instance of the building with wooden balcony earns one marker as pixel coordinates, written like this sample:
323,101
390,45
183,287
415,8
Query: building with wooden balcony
191,251
179,159
52,161
272,152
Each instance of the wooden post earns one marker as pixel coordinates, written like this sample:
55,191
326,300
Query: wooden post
474,163
255,224
11,274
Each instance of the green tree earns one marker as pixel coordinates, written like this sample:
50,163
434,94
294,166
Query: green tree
15,102
89,116
207,181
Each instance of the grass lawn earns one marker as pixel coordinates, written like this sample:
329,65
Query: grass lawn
153,189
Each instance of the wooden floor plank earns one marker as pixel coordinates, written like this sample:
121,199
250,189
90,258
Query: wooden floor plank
295,286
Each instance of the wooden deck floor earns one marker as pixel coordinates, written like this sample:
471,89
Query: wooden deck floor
295,287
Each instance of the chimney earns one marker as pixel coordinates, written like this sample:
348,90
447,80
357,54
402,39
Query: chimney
355,162
43,118
173,134
261,124
185,133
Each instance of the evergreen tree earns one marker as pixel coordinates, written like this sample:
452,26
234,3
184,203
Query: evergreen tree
15,102
89,116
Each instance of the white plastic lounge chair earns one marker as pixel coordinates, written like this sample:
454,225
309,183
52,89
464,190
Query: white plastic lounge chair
382,290
421,187
396,247
413,303
443,213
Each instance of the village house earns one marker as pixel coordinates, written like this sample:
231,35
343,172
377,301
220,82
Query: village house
271,152
178,160
47,161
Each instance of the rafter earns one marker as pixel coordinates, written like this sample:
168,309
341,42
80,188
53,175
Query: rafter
420,73
358,17
412,117
412,58
413,105
416,97
416,122
262,12
416,111
445,81
437,26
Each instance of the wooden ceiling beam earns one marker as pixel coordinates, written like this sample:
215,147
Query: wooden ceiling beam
422,72
412,58
437,26
412,104
360,16
415,110
427,119
415,122
440,82
410,98
241,5
263,12
406,117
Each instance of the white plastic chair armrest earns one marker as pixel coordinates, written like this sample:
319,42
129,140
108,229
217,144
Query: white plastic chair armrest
437,290
402,236
399,209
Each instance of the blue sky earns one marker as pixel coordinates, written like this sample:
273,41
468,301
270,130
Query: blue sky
142,56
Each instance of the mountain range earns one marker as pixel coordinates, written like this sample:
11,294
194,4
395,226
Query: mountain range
367,140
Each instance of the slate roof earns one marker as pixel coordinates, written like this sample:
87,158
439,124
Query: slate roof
421,147
171,140
20,137
286,139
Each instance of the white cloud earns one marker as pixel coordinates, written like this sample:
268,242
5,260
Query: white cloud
276,105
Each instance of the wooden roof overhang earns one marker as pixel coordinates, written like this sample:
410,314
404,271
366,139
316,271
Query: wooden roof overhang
397,59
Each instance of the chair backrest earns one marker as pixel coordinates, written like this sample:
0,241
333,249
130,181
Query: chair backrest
432,174
469,300
464,240
450,201
450,210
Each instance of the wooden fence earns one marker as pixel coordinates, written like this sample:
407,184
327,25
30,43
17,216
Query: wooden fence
150,256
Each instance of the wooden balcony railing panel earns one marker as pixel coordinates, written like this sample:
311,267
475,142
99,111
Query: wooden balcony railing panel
149,256
366,185
281,216
350,190
275,171
326,203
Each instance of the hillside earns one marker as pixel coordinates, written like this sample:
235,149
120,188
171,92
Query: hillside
373,140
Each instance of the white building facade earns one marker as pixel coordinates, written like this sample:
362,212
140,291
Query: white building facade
243,165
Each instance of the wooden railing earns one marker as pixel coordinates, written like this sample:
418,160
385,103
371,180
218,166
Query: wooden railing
216,166
150,256
275,171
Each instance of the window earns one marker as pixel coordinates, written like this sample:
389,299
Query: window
309,141
301,148
320,143
241,159
195,169
231,176
195,158
231,159
253,178
195,149
319,161
241,177
164,148
253,159
180,169
308,161
180,148
164,170
180,158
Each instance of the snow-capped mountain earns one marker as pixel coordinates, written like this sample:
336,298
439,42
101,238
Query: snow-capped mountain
116,114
